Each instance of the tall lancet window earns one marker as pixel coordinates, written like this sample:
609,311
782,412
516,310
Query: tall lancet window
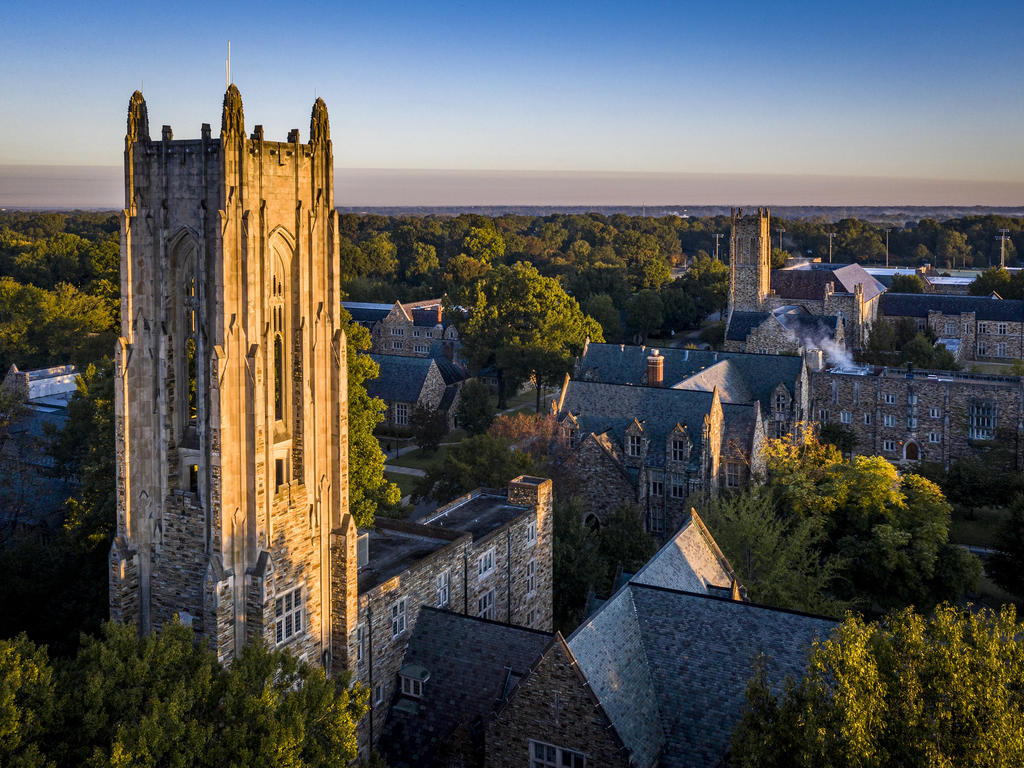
278,327
191,339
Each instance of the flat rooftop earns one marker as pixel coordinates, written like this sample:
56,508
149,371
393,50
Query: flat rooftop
478,515
392,552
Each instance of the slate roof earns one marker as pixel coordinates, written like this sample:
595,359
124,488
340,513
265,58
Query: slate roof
803,325
612,408
808,282
749,374
919,304
671,667
473,665
401,378
450,372
366,313
741,324
690,561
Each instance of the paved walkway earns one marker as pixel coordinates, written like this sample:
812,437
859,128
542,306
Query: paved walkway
412,471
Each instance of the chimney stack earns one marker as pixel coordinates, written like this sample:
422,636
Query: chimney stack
655,369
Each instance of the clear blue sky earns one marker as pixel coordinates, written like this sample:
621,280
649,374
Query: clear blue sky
924,90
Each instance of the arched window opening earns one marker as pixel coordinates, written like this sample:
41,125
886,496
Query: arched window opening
278,376
191,337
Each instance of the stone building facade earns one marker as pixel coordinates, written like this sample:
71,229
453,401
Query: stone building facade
843,291
407,382
231,427
973,328
916,415
231,386
488,554
416,328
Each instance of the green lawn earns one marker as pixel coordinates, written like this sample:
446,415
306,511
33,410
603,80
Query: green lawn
977,527
418,460
405,482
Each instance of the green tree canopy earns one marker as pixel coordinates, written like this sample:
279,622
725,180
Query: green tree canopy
476,411
890,530
908,691
164,700
645,312
478,461
523,324
906,284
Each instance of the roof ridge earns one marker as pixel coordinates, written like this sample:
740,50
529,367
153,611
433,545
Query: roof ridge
505,624
745,603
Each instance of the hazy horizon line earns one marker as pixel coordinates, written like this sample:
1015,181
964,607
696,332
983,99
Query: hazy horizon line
101,186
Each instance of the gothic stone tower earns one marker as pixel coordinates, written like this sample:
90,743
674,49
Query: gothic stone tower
749,261
231,391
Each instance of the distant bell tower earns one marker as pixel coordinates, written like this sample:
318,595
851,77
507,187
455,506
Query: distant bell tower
749,260
231,390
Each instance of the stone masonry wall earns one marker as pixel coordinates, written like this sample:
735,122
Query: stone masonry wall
553,705
890,412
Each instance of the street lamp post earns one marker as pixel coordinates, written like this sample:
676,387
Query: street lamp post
718,236
781,232
1002,247
887,231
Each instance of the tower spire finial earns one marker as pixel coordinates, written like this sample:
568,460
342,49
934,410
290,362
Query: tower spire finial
138,119
319,125
232,121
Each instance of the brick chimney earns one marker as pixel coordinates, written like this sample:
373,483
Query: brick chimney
655,369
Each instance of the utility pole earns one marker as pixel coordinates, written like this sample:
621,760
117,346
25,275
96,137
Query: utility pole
887,231
718,236
1002,247
781,232
830,235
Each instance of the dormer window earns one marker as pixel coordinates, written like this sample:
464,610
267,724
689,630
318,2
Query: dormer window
678,450
411,678
633,445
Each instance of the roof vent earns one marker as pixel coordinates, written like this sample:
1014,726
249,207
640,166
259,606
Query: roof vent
362,550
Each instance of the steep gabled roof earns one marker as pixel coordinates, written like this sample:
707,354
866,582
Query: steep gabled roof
742,324
919,304
473,665
401,378
671,667
808,281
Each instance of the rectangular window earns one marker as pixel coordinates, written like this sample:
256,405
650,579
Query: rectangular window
934,437
360,642
933,413
378,695
732,475
193,478
633,445
288,615
398,332
411,687
778,429
549,756
485,605
657,488
402,414
531,532
911,422
889,420
982,421
845,417
911,399
823,415
656,520
416,333
867,419
835,391
280,476
780,402
678,491
398,615
950,329
485,564
694,485
921,324
420,349
890,399
531,577
678,450
1001,329
1001,349
982,327
444,583
889,445
982,348
531,618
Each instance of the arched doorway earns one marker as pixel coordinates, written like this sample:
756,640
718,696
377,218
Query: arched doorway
911,451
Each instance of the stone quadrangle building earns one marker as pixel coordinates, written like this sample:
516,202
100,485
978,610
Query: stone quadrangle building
231,427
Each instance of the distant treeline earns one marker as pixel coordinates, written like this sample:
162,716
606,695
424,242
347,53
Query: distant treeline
59,272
